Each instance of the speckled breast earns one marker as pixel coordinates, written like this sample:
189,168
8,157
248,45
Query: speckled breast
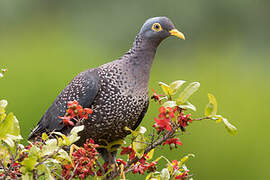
118,104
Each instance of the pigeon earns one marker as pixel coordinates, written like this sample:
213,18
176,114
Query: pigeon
117,92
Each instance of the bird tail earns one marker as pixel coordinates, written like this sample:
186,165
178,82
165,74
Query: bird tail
36,132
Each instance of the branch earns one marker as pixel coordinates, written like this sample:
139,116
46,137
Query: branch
151,146
203,118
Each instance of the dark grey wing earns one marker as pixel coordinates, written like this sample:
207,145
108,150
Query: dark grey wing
83,88
141,116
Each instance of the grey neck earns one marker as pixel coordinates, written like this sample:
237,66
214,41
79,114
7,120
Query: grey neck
140,58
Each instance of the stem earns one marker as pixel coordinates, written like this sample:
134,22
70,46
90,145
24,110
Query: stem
73,172
199,119
100,166
158,142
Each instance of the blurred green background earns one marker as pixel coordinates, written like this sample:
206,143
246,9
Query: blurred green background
44,44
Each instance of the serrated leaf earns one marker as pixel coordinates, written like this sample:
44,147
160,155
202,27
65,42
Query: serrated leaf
164,174
230,128
169,104
166,88
187,105
211,107
77,129
174,86
187,92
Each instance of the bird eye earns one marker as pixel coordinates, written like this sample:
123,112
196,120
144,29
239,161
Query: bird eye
157,27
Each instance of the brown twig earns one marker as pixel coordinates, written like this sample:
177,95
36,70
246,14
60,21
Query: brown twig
151,146
73,172
100,166
154,143
203,118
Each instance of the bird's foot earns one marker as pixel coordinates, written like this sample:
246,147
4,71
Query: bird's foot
112,146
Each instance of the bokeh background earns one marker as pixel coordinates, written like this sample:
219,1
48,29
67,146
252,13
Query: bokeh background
44,44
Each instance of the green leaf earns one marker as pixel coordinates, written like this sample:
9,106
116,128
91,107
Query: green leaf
50,147
6,125
135,133
230,128
174,86
187,105
44,136
166,88
162,157
77,129
64,141
148,176
27,176
29,163
153,176
150,154
211,107
74,134
164,174
187,92
217,118
47,172
185,158
3,105
10,130
9,139
139,145
63,155
169,104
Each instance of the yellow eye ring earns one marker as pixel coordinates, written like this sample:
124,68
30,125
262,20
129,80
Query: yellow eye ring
156,27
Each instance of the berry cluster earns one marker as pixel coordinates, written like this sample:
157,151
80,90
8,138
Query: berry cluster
74,113
169,115
83,161
13,172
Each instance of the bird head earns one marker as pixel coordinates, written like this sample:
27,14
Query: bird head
159,28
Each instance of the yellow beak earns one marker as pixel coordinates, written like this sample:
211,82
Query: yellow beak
175,32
